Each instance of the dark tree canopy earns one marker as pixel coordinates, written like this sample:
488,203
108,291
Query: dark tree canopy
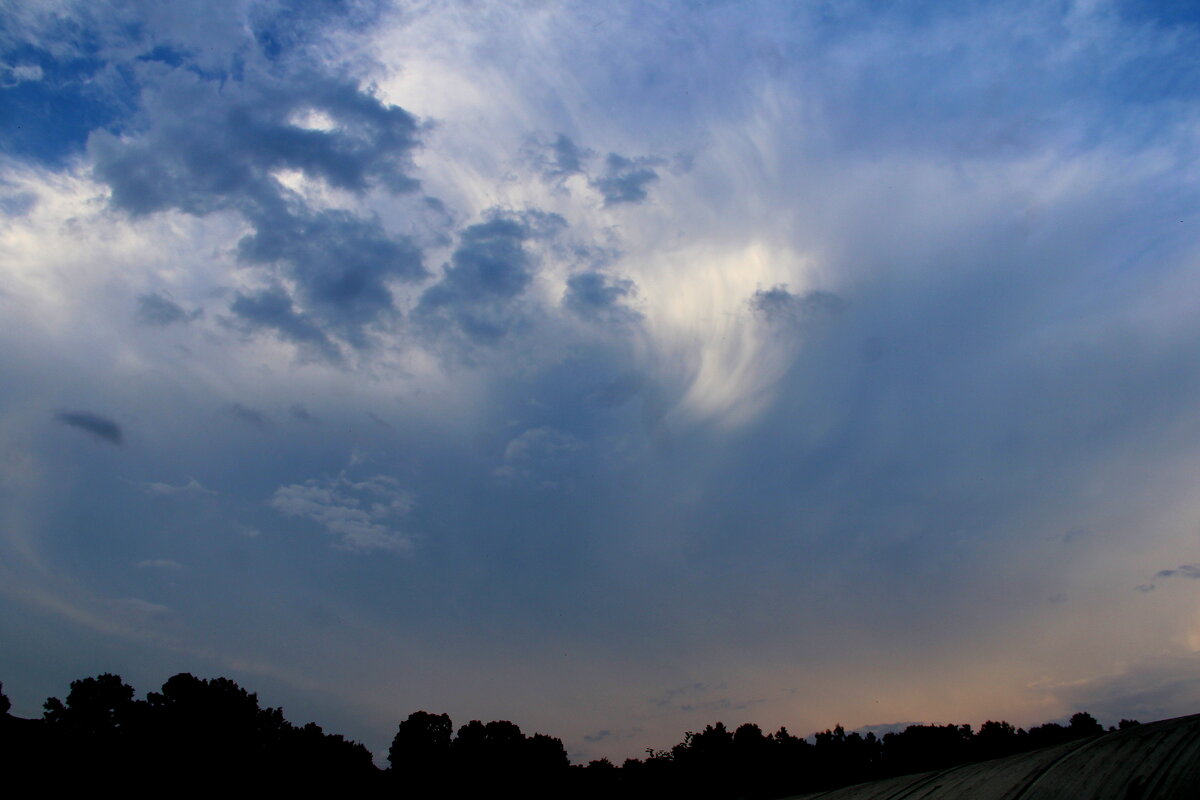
212,734
103,704
207,732
422,739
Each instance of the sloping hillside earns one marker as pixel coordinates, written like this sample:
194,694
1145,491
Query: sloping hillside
1155,761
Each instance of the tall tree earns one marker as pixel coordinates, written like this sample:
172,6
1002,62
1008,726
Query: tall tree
420,753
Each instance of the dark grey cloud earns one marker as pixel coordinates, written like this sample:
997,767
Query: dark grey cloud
600,298
98,426
719,705
621,179
488,271
273,309
341,263
68,69
698,697
569,158
249,416
1182,571
778,304
206,145
301,413
284,27
559,158
672,696
159,310
380,421
625,180
203,145
607,735
1075,535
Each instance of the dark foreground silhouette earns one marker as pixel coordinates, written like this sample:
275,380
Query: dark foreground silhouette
199,734
1156,761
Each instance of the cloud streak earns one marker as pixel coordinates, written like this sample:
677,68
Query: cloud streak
96,425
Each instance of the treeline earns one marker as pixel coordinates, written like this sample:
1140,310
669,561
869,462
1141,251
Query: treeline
747,763
194,733
214,734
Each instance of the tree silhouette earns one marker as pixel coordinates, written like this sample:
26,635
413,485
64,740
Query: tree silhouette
213,735
24,751
483,757
995,739
546,754
98,706
420,753
98,725
215,731
600,778
920,748
1084,724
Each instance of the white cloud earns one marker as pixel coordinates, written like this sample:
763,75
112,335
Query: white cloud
543,456
21,73
193,487
360,515
158,563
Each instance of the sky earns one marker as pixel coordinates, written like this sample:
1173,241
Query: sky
610,368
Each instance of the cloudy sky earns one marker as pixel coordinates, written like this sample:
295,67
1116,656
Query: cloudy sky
609,368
